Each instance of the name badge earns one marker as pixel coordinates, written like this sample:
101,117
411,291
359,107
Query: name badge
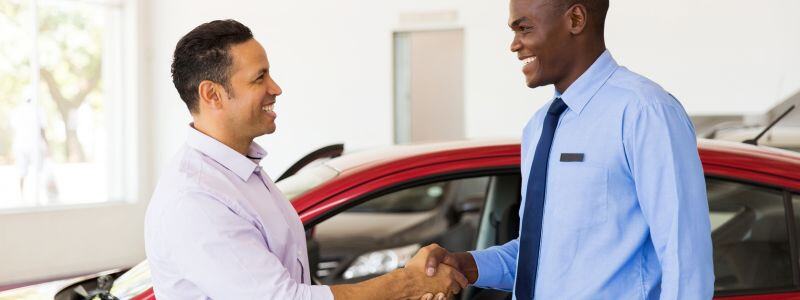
571,157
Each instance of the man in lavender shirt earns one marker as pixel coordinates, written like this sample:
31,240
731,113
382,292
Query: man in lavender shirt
217,226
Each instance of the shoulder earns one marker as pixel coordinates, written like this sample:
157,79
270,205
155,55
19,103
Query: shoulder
639,92
644,103
192,181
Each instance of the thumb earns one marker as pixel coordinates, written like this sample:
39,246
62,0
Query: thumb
435,256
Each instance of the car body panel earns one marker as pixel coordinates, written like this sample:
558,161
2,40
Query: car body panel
366,173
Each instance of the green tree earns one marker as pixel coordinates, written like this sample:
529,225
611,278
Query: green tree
70,63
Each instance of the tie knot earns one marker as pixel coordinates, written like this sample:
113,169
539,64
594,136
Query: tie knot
557,107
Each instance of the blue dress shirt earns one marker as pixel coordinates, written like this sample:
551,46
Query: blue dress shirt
629,221
218,228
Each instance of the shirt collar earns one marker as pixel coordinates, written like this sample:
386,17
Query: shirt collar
586,86
242,166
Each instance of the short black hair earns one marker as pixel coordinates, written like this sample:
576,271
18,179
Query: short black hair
202,54
596,9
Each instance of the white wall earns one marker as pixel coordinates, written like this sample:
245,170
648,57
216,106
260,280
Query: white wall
333,59
334,62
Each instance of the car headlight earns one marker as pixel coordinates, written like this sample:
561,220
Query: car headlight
380,262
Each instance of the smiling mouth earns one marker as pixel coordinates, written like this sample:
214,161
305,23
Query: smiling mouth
528,60
269,107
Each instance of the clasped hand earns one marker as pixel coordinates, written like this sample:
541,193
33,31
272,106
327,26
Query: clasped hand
428,281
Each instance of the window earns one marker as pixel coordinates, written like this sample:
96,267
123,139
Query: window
382,233
62,120
750,237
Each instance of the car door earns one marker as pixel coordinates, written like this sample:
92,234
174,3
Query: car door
379,232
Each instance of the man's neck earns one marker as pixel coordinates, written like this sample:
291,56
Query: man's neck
221,134
582,62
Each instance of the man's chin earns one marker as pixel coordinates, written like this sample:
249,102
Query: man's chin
535,82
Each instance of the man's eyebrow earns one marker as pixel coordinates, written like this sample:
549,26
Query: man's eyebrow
517,21
261,71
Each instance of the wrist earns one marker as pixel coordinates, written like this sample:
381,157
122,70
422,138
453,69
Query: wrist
467,266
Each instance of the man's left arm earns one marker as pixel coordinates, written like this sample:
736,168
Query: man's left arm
661,149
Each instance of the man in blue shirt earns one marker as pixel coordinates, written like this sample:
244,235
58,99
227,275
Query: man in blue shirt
613,198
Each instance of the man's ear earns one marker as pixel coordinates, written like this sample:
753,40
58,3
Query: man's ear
210,94
577,18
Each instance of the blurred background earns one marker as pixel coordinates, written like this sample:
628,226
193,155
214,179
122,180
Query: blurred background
89,115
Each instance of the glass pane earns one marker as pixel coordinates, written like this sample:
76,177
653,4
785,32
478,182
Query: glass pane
54,147
383,233
751,246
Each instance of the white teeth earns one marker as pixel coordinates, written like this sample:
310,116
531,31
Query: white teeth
268,107
528,60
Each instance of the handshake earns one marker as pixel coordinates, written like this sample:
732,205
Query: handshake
435,273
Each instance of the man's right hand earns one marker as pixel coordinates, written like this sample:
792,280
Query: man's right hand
409,282
433,255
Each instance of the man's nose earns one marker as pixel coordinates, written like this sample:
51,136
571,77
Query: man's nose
515,44
275,89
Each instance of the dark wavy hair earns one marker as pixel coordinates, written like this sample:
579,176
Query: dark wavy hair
202,54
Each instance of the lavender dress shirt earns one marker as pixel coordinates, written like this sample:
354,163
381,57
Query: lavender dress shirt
217,227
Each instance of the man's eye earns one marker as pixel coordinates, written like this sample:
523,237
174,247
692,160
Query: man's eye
525,28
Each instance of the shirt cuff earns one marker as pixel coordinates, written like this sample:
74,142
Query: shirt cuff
321,292
490,273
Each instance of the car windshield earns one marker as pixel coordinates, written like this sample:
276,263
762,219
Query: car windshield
305,180
418,199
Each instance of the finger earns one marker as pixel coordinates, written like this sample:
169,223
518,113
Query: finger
435,255
450,260
440,296
455,288
427,296
460,278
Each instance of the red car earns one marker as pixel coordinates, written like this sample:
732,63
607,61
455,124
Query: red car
368,212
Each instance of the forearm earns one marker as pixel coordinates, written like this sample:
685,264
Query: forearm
389,286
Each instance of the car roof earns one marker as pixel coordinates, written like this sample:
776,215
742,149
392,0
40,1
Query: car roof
764,159
376,156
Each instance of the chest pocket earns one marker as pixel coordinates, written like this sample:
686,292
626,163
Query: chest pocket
578,194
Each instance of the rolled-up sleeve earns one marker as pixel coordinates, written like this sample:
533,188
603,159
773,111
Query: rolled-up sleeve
662,154
202,234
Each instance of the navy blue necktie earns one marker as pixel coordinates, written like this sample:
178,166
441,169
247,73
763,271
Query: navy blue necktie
530,234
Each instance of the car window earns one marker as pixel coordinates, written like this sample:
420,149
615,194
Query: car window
418,199
382,233
749,233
